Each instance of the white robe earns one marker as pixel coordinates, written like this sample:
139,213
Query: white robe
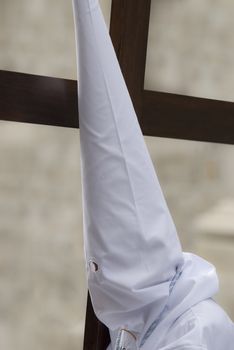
138,277
191,319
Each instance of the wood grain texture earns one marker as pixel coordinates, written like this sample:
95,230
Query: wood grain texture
185,117
53,101
38,99
129,32
96,334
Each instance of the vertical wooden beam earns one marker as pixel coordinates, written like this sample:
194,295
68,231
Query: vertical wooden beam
129,32
96,335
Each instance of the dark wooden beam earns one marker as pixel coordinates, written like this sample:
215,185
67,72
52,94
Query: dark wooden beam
129,32
189,118
96,334
53,101
38,99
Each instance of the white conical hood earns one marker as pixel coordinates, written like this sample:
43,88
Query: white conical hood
129,233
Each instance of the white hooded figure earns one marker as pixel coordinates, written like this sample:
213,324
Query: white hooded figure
148,292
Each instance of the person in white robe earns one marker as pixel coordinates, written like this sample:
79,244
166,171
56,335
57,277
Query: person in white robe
149,293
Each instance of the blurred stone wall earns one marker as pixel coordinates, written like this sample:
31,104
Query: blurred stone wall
191,48
42,279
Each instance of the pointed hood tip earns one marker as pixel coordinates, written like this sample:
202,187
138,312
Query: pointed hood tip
123,202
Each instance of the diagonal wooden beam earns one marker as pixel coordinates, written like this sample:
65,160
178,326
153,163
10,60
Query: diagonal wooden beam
53,101
38,99
189,118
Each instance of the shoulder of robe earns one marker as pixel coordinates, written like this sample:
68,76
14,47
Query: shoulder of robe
205,326
217,329
184,334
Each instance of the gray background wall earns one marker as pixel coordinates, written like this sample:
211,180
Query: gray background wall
42,280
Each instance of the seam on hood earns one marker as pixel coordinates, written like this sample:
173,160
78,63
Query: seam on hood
158,319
